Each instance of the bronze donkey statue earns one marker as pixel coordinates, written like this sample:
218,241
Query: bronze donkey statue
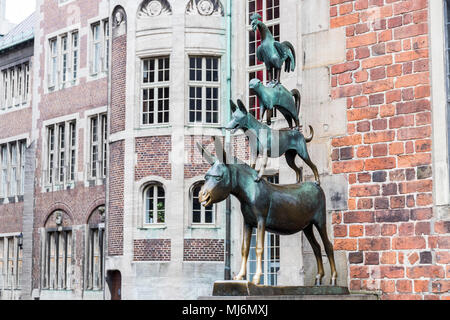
281,209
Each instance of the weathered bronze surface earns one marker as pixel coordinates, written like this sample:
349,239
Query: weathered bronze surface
246,288
280,209
273,53
277,96
271,143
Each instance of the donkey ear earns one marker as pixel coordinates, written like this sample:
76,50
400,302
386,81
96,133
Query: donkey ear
220,150
205,154
242,106
232,106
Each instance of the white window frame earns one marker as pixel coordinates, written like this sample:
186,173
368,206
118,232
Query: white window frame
156,85
204,84
202,208
253,108
57,274
63,61
10,277
12,175
58,168
154,186
101,144
99,44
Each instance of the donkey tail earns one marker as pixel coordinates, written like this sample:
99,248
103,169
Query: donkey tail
298,99
312,135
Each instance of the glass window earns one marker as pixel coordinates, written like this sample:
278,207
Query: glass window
98,146
155,95
58,260
204,86
154,204
269,10
200,214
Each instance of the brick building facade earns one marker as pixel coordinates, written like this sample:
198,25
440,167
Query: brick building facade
107,173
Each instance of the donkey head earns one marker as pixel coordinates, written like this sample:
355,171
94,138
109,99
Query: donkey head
239,118
217,185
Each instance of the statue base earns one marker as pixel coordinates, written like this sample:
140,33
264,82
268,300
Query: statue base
246,288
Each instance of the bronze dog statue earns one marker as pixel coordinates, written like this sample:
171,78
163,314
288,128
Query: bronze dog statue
277,96
281,209
272,143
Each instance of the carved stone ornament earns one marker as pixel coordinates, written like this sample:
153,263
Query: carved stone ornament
153,8
205,8
58,218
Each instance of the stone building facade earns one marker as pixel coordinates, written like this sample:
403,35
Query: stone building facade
107,173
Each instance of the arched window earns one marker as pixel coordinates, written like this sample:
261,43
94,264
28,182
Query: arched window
200,214
154,204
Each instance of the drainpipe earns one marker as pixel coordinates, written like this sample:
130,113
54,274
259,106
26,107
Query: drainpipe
227,271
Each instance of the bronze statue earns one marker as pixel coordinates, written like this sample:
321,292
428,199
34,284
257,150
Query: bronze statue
271,52
281,209
272,143
288,103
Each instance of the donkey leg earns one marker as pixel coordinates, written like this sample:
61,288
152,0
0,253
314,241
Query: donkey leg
245,249
290,159
259,249
329,250
309,233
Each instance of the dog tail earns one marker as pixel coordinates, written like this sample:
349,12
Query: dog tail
312,135
298,99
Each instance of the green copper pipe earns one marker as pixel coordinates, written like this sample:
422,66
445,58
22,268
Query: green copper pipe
227,271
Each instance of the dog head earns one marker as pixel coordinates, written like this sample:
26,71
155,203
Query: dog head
255,84
238,117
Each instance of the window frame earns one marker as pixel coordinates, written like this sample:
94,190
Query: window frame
10,186
148,186
156,85
204,84
202,209
259,67
101,144
98,66
51,234
95,246
53,155
11,280
15,86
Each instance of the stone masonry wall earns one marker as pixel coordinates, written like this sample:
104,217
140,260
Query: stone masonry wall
393,240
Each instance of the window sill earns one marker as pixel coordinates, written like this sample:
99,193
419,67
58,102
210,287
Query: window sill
203,226
153,227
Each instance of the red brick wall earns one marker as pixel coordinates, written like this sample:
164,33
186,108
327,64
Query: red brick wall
118,80
393,240
115,206
196,165
152,250
153,157
203,250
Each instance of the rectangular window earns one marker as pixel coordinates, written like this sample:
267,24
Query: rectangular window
12,172
4,178
10,262
155,90
98,146
74,56
58,260
64,59
100,47
204,86
53,62
15,86
95,259
269,10
61,153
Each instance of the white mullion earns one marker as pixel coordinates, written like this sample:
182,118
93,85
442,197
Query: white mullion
99,146
155,203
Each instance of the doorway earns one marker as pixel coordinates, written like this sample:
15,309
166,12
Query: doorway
115,284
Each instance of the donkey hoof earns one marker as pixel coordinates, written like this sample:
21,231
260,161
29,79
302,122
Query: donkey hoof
333,281
318,280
